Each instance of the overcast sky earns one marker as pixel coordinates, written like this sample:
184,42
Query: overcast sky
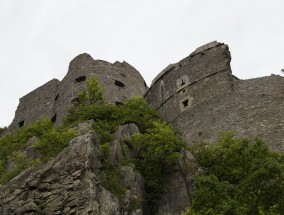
39,38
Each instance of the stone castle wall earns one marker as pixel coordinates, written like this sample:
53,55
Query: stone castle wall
198,95
35,105
204,74
119,80
210,99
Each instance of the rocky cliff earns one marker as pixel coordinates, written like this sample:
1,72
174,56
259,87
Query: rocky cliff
71,183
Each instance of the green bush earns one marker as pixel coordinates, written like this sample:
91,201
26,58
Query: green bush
240,177
111,175
20,162
136,110
51,141
159,149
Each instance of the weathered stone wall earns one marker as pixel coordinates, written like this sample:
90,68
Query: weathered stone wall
119,80
200,97
254,108
35,105
204,74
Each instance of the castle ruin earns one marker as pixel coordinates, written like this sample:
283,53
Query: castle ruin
119,80
199,96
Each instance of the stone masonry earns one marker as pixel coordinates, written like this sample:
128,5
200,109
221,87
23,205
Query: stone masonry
119,80
199,96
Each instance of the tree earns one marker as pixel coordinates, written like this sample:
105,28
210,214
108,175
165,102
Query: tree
240,177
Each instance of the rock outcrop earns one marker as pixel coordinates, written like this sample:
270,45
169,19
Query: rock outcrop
70,184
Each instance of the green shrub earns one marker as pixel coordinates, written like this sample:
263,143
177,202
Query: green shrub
91,105
111,175
51,141
240,177
136,111
20,162
159,149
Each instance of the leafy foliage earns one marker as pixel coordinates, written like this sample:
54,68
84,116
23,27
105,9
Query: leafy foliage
51,141
20,161
111,176
159,150
239,177
158,144
107,117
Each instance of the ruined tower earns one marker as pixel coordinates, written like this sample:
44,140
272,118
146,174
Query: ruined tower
119,80
199,96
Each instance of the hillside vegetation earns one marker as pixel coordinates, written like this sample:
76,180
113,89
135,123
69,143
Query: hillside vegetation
238,177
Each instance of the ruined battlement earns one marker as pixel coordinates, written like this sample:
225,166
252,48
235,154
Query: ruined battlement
198,95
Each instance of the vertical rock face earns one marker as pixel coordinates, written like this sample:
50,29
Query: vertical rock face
119,80
179,186
69,184
199,96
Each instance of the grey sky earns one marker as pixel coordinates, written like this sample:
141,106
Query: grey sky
39,38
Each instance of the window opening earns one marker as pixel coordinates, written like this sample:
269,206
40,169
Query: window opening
22,123
53,119
80,79
185,103
56,98
182,82
119,84
118,103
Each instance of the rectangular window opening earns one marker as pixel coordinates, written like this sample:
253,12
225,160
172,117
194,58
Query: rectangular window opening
22,123
185,103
